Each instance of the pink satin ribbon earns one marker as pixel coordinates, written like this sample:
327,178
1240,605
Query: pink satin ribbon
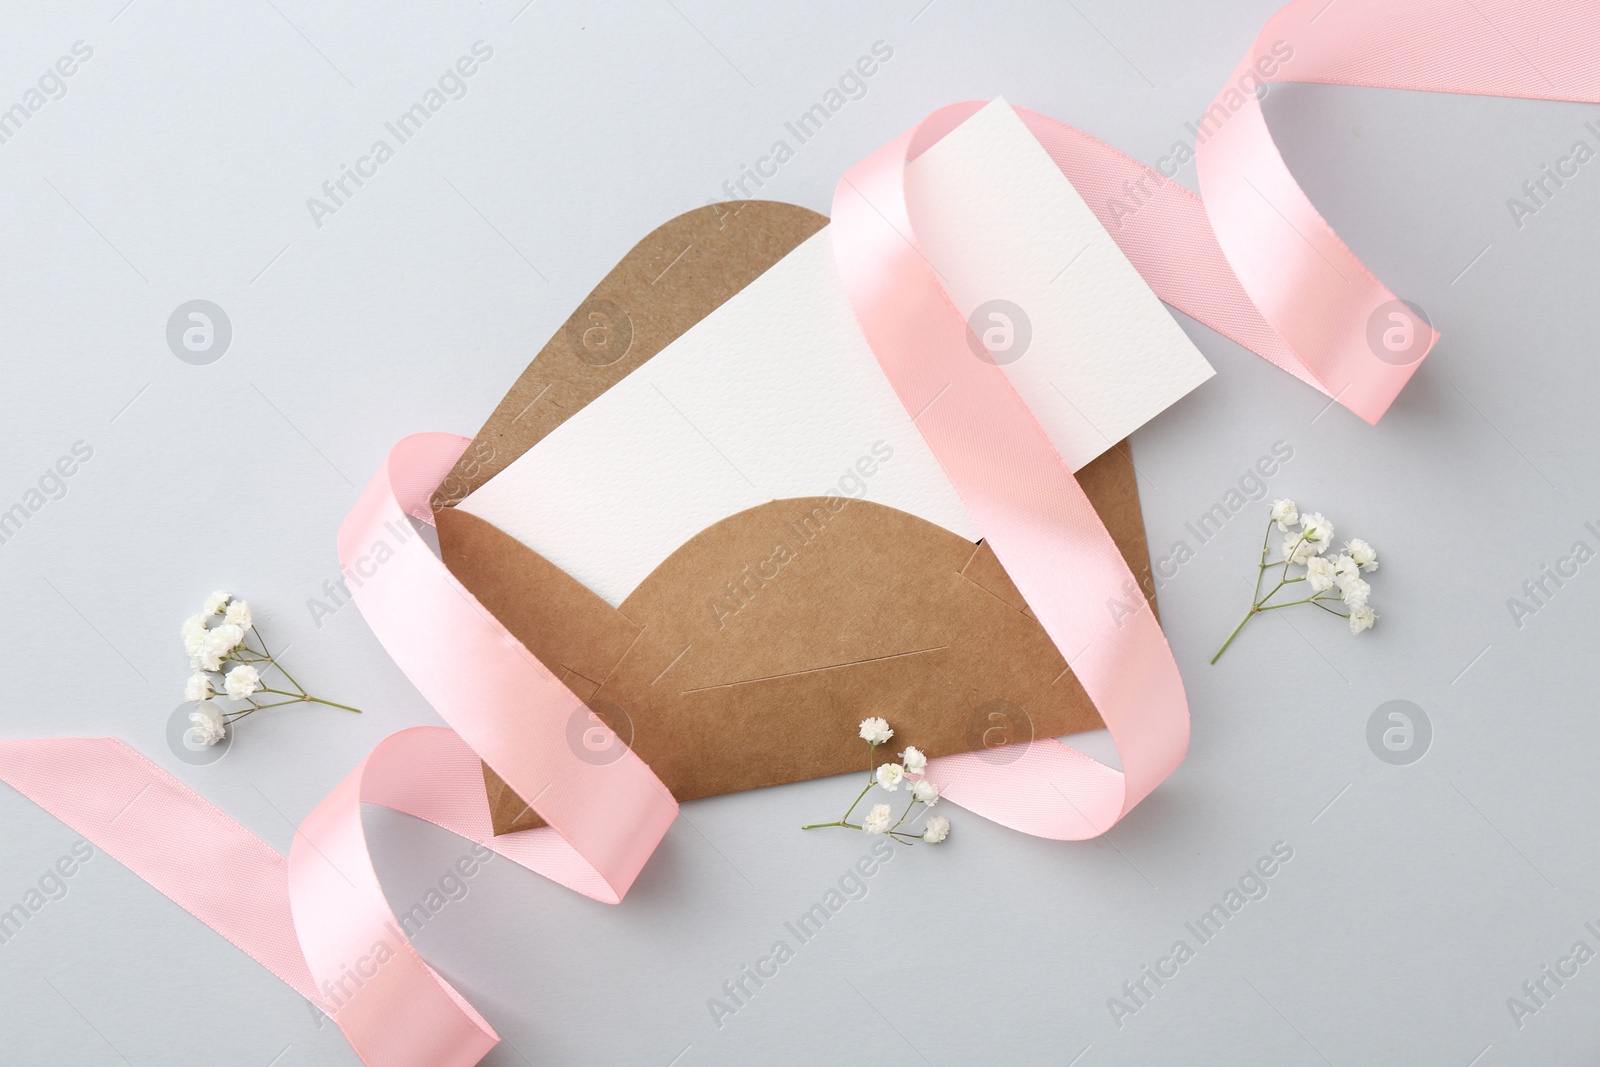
1032,513
605,819
1252,259
1319,299
318,918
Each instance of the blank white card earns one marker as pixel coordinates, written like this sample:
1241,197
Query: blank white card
776,393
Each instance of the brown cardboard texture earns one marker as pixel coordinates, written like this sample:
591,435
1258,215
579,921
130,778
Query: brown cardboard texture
680,273
750,654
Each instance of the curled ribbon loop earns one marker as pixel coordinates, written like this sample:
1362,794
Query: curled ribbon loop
1328,309
318,918
1032,513
606,818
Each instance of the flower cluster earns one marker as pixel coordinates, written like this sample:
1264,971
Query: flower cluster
911,772
1332,579
215,638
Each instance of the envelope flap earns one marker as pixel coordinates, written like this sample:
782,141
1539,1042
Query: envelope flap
677,275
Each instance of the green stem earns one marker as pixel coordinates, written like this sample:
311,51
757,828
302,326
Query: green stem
1236,629
275,663
280,704
1291,603
303,698
1256,599
331,704
1287,558
903,815
853,804
1260,605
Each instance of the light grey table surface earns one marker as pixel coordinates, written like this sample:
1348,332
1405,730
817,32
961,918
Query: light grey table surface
177,166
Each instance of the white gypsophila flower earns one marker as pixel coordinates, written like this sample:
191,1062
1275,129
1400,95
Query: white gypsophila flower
1319,574
925,791
914,760
207,725
194,634
937,830
890,775
1296,550
220,640
210,657
238,614
1345,567
1365,555
875,731
198,687
1316,530
1354,591
1361,618
1285,514
242,681
216,602
877,820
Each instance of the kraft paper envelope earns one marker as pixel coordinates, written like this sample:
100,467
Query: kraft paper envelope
745,547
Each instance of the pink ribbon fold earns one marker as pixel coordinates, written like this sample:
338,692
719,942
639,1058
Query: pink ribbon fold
318,918
1251,258
1030,508
1346,332
605,818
